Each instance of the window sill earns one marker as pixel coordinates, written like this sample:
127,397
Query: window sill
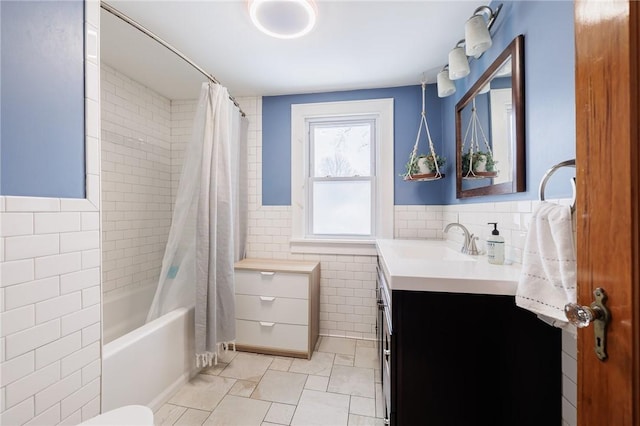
348,247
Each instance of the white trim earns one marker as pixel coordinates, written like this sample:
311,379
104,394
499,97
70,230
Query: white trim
382,109
320,246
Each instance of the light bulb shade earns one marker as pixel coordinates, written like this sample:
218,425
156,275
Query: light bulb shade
458,64
485,88
476,36
446,87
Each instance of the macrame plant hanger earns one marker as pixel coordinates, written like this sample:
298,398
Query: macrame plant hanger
414,173
474,147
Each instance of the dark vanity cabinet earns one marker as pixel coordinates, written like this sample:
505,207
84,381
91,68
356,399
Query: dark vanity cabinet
452,359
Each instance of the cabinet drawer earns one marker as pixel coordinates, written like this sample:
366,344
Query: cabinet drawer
269,283
272,335
272,309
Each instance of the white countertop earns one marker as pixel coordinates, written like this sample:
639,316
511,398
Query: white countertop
437,265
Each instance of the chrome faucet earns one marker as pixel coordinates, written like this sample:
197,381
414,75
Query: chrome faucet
469,245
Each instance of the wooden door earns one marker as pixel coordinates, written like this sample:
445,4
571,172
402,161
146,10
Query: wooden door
608,221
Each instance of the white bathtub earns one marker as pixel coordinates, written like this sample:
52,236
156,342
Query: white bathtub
124,312
149,364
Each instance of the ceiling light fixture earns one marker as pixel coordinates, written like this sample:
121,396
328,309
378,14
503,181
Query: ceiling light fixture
283,19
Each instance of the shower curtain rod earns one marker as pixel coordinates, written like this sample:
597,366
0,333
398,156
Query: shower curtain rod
115,12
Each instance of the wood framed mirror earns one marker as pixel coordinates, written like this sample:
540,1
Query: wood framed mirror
490,132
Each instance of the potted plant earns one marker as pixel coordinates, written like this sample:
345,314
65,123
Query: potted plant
479,164
423,166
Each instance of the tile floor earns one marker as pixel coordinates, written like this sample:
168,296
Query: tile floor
338,386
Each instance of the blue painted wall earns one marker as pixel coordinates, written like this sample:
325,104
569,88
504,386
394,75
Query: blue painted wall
276,140
42,102
549,110
549,92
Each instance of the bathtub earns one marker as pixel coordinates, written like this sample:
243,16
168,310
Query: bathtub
149,364
124,312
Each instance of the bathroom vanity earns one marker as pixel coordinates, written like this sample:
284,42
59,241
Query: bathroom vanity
454,348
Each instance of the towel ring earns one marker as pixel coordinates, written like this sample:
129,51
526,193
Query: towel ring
551,171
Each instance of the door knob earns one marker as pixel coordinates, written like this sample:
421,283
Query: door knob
581,316
598,314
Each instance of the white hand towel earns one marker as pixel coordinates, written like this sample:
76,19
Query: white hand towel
548,277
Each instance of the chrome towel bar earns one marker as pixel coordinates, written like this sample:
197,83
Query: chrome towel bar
551,171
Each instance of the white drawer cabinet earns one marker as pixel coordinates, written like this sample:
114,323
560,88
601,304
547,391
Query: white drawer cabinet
277,306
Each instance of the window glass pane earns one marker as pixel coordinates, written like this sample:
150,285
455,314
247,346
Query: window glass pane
341,207
341,150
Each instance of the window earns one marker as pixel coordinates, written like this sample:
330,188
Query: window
342,176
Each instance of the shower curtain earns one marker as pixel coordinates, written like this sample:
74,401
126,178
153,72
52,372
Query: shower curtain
208,229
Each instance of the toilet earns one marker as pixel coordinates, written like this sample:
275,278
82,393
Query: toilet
129,415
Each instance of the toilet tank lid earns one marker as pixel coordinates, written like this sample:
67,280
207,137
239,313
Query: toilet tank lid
133,415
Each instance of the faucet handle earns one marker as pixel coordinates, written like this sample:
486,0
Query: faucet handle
472,248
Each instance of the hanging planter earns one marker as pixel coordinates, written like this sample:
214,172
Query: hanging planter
424,167
477,164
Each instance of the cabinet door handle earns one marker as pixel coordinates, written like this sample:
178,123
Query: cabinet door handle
267,273
267,324
267,298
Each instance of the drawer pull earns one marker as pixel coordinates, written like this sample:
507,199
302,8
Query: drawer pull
267,298
267,324
267,273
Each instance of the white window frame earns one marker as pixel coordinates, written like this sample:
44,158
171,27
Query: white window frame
382,111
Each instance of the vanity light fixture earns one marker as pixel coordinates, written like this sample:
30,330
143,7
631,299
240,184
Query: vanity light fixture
477,40
476,31
446,87
285,19
458,62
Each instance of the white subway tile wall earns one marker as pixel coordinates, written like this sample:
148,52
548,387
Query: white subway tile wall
136,182
182,115
50,290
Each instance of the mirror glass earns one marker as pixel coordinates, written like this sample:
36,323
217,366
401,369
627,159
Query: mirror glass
490,129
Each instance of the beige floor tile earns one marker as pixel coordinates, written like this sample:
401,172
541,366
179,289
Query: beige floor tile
362,406
245,366
378,375
280,386
243,388
356,420
281,364
227,356
318,383
367,358
269,424
344,360
235,410
280,413
215,370
320,364
192,417
379,401
168,414
203,392
361,343
352,380
321,408
337,345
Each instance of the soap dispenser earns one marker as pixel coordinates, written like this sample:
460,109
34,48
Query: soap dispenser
495,246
